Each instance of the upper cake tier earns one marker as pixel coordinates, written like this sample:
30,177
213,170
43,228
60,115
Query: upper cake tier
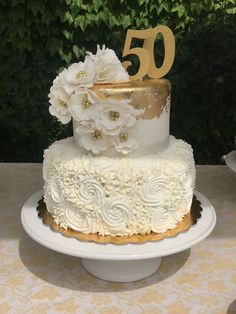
111,115
151,99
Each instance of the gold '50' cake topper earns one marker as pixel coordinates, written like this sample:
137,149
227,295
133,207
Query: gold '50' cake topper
146,54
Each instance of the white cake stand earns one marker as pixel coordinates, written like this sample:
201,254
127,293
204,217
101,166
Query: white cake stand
230,160
118,263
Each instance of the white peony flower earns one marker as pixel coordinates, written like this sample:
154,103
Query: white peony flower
117,214
126,141
108,67
92,139
59,100
78,75
83,105
115,114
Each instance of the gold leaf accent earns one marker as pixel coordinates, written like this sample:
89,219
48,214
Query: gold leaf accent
141,95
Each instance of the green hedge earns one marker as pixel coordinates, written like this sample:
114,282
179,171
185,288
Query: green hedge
38,38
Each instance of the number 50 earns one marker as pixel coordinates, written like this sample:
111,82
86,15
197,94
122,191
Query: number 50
145,54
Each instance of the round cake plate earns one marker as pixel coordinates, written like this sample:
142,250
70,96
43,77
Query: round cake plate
117,263
230,160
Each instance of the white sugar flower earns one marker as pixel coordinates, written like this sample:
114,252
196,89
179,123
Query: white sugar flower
91,138
78,75
83,104
108,67
126,141
115,114
59,100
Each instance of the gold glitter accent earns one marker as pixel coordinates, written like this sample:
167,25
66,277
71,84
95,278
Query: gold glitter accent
81,74
62,103
114,115
123,137
85,103
97,134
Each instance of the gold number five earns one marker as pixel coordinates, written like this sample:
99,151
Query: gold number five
145,54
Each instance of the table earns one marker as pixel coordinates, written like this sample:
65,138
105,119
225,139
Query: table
34,279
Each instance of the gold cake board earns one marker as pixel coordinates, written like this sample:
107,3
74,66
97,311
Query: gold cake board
187,221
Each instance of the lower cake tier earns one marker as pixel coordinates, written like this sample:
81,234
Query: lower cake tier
118,196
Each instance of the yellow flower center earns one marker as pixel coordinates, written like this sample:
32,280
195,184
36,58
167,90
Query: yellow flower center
97,134
123,137
81,74
114,115
85,103
62,103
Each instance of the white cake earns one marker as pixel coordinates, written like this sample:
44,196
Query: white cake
121,174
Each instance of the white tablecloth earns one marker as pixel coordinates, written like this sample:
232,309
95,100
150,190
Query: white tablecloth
34,279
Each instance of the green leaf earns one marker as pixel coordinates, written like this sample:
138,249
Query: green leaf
15,2
66,56
139,22
76,51
68,17
97,4
126,21
35,6
179,9
82,21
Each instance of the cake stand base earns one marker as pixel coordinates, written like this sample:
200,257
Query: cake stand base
118,263
122,271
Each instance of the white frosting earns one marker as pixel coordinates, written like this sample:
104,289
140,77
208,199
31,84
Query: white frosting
153,132
116,214
56,190
151,136
118,195
90,190
154,192
78,219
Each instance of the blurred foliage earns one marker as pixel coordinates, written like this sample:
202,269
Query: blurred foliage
39,37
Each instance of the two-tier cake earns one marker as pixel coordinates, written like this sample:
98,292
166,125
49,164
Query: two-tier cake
121,174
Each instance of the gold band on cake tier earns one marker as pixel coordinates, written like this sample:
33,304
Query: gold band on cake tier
150,95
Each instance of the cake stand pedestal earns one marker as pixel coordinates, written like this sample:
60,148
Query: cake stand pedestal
118,263
122,271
